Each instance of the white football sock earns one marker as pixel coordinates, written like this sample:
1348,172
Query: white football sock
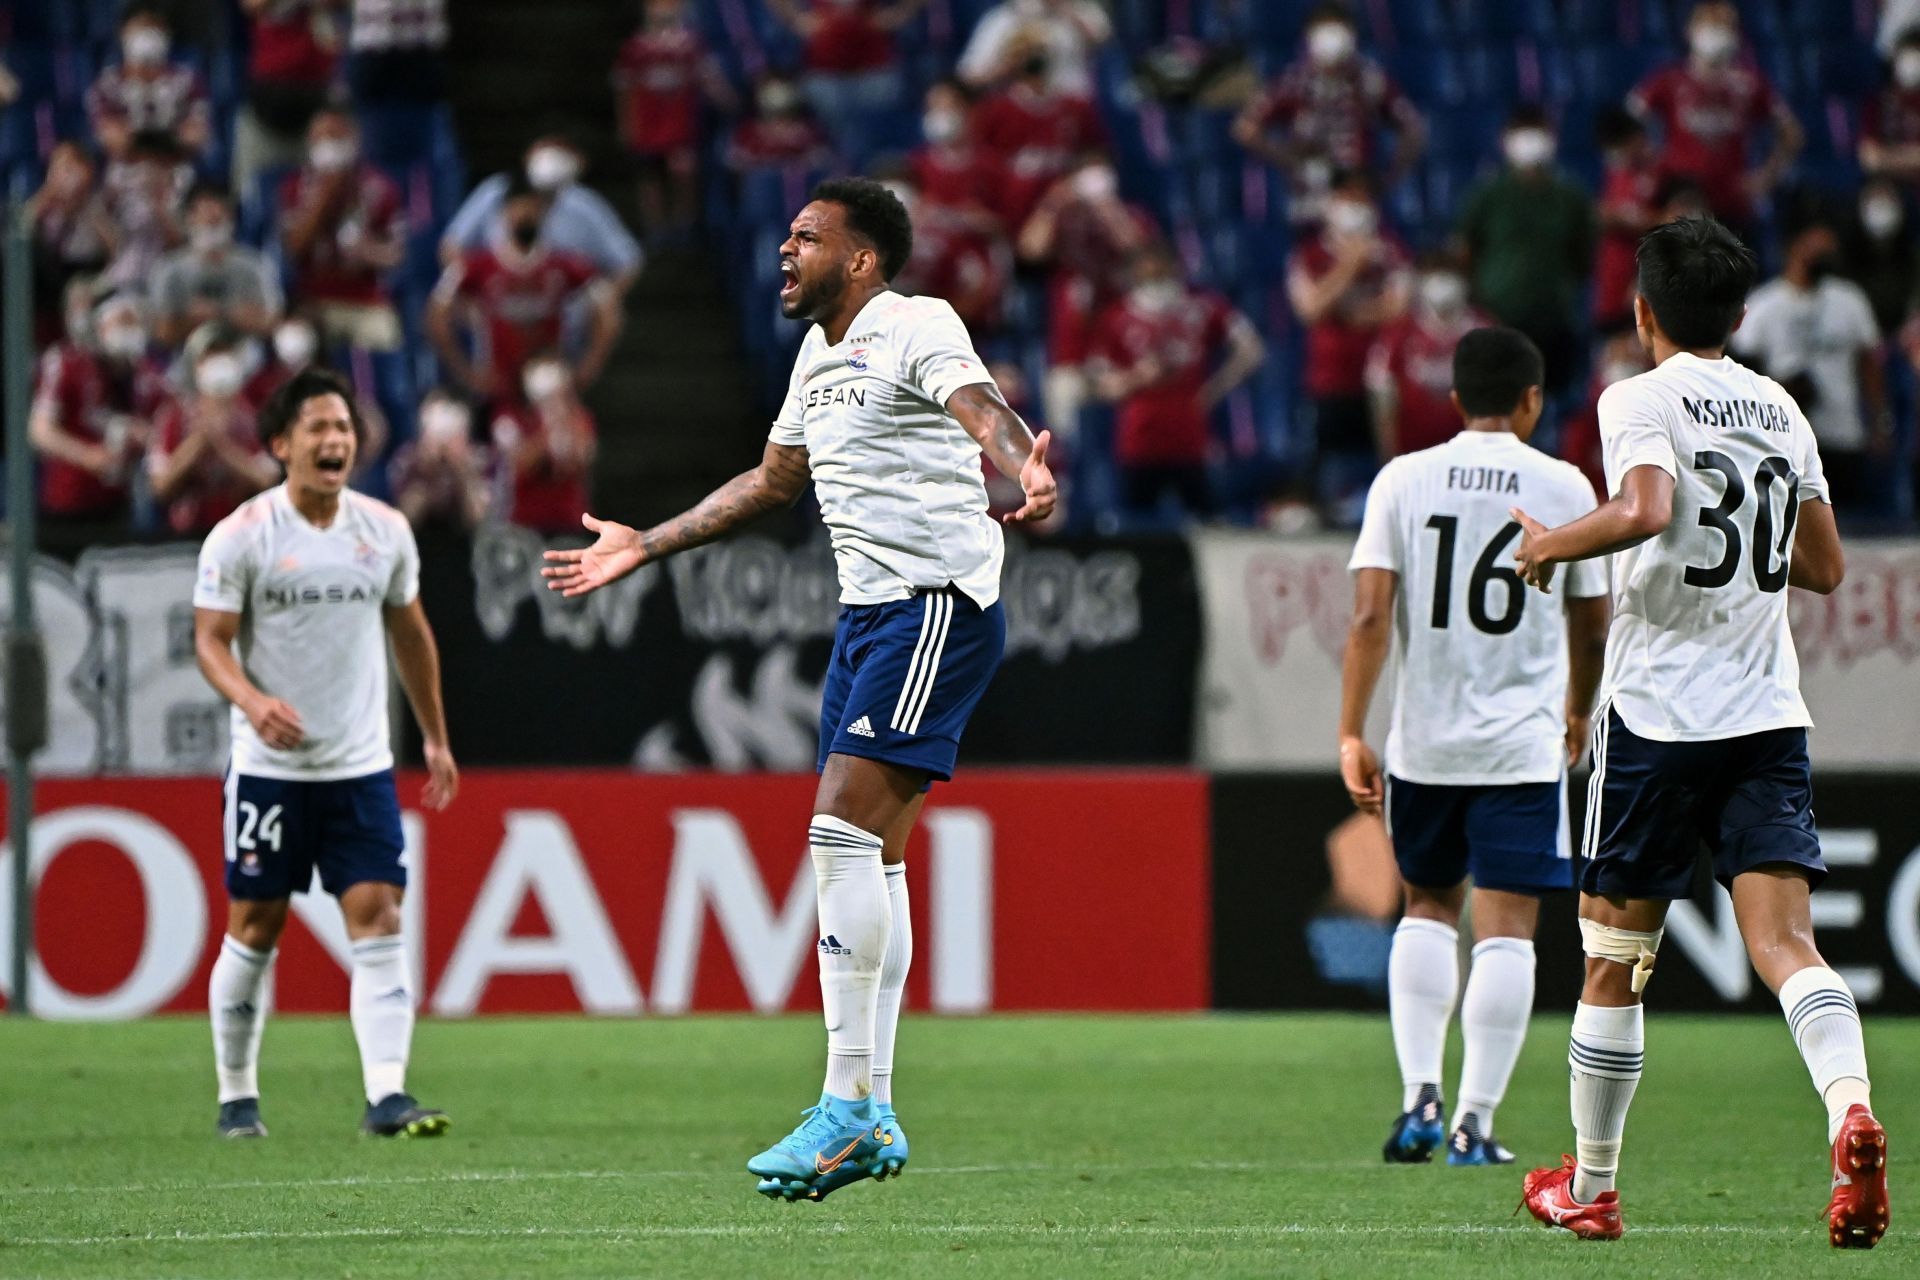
1423,976
1493,1023
893,983
854,923
1605,1055
237,1003
1826,1026
382,1003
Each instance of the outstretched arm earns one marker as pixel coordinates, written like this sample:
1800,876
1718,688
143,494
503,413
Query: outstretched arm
1004,438
777,482
417,658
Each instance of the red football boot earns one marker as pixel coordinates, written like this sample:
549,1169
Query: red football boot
1549,1197
1857,1214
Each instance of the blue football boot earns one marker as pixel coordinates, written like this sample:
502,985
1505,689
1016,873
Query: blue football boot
1417,1132
241,1119
398,1116
1467,1147
835,1135
889,1163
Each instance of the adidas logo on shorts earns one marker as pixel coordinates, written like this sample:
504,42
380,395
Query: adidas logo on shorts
862,728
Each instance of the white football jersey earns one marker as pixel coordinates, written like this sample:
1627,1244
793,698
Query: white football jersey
897,477
1481,694
1700,647
312,626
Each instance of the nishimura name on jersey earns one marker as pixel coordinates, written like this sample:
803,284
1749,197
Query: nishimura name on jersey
1735,414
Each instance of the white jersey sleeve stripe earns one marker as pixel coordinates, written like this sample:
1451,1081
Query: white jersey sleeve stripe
913,667
933,666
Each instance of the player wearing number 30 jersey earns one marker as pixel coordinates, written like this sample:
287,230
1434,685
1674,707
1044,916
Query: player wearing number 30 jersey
1718,505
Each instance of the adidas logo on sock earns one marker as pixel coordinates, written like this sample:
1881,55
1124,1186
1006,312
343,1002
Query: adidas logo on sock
863,727
830,945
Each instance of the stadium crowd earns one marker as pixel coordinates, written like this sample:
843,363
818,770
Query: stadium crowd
1222,248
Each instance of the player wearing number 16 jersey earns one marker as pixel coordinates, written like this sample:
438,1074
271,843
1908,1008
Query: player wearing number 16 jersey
1718,505
1492,700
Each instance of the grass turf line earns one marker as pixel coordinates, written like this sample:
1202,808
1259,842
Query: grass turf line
1041,1147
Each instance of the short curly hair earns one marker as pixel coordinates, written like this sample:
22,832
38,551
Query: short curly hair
875,215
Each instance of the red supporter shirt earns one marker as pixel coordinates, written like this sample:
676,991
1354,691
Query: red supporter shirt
1089,272
1335,113
1708,121
1336,347
658,79
956,261
521,300
1580,442
1416,357
1892,117
847,39
367,206
212,491
1614,268
962,177
84,394
766,142
1039,135
1163,424
545,498
166,100
287,48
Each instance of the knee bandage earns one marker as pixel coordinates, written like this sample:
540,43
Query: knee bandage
1625,946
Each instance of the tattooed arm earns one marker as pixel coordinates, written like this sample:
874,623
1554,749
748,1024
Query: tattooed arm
1004,438
777,482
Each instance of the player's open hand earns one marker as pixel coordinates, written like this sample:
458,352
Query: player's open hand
1360,771
277,724
443,777
1534,570
1036,479
612,557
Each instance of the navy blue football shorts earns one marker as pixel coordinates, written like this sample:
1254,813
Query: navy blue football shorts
1511,837
279,830
905,677
1652,806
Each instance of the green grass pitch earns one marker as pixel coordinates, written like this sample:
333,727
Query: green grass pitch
1217,1146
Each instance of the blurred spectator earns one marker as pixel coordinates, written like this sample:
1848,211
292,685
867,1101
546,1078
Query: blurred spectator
514,294
958,255
1814,333
205,456
143,91
546,445
341,225
145,190
663,71
1346,284
852,64
781,131
950,167
293,51
1620,356
1890,120
578,219
1322,115
1165,355
1681,198
1086,234
1629,208
1897,17
441,479
1883,253
1410,367
93,409
213,278
1069,31
295,346
1710,108
399,77
1036,130
73,234
1528,233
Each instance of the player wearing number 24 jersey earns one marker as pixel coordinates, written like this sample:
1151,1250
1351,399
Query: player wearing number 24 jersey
1718,505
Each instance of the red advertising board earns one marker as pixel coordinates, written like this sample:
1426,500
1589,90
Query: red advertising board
624,893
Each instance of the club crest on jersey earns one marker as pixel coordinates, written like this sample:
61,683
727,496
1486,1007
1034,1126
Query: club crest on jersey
364,553
857,359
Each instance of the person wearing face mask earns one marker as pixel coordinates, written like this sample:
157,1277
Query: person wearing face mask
577,220
1071,32
1890,119
1036,131
514,297
660,79
1629,208
1324,113
73,235
1882,252
213,278
145,190
1813,331
546,445
94,402
1410,366
343,230
293,52
851,63
144,91
443,479
1165,355
781,132
1711,108
205,456
950,167
1528,234
955,256
1345,284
